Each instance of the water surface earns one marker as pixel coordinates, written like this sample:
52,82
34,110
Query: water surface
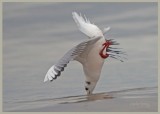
36,35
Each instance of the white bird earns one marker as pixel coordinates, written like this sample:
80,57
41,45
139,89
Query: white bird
90,53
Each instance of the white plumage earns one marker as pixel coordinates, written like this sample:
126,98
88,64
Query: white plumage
86,27
87,53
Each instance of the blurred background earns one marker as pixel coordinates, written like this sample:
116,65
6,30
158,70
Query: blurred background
36,35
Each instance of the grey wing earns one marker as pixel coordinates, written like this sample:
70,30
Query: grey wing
72,54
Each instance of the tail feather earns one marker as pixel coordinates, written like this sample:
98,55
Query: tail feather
105,30
85,26
78,19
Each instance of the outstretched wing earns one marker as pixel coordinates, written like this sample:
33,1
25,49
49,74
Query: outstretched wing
72,54
85,26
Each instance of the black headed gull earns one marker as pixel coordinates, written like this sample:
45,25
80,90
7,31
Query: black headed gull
90,53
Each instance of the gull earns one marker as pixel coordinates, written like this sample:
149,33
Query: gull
90,53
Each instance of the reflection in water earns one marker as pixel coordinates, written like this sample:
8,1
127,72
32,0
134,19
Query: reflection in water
127,100
127,93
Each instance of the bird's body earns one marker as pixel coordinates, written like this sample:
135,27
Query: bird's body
90,53
92,64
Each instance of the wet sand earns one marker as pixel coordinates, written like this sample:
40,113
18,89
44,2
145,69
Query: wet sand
130,100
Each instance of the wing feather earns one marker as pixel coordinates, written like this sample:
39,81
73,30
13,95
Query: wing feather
72,54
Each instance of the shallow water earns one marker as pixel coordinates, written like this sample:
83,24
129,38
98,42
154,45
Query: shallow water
36,35
131,94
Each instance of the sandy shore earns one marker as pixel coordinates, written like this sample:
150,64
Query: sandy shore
135,100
